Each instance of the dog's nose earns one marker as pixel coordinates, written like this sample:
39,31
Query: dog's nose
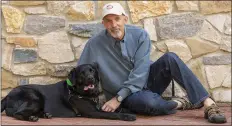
90,79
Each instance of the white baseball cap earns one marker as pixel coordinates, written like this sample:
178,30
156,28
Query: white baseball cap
113,8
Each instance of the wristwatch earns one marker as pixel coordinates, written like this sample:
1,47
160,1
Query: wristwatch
119,98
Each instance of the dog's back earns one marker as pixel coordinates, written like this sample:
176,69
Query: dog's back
20,95
48,98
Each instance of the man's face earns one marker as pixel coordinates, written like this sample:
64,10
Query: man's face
115,25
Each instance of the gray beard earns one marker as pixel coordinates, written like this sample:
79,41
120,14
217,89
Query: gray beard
116,34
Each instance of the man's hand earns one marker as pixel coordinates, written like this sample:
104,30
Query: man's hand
111,105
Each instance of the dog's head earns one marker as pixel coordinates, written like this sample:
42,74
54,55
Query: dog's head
85,80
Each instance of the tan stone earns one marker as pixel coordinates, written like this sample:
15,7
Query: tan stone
199,47
8,79
57,7
222,95
228,25
187,5
198,69
217,74
161,46
22,41
207,32
14,19
55,47
143,9
227,81
26,3
155,53
100,5
44,80
7,51
35,10
37,68
78,41
210,7
79,44
149,26
79,50
226,43
217,20
83,10
180,48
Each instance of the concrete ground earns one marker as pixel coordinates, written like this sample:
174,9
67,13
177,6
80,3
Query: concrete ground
187,117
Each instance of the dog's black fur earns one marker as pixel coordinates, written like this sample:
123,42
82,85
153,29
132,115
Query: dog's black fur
29,102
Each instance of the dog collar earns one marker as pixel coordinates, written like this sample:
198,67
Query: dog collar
69,82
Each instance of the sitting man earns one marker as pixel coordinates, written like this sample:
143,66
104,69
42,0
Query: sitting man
131,81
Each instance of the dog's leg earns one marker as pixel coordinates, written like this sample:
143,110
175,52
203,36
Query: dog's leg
111,115
46,115
27,111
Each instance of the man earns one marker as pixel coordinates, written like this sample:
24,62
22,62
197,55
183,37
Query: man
130,80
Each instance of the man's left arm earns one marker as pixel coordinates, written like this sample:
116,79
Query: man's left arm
139,74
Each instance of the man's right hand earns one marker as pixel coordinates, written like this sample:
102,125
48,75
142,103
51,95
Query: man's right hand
111,105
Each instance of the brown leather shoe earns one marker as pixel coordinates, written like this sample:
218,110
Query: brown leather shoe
214,115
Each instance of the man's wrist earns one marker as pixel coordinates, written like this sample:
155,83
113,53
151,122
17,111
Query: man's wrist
119,98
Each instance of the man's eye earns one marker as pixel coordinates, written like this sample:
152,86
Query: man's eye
107,21
117,18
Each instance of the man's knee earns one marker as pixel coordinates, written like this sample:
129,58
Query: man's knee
170,55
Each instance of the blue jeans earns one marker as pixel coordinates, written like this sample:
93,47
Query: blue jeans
166,68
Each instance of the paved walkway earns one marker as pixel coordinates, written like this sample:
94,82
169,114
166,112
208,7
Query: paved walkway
188,117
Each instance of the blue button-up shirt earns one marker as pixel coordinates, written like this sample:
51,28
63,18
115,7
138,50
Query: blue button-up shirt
123,65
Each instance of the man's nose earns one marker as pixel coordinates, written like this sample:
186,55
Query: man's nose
114,23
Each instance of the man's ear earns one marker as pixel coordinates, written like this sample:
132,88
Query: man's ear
126,19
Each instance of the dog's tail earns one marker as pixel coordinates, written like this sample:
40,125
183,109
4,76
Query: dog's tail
3,104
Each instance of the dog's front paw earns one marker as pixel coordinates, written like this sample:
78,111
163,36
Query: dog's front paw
33,118
47,115
128,117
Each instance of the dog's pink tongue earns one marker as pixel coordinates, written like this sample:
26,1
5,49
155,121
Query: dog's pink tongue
86,88
91,86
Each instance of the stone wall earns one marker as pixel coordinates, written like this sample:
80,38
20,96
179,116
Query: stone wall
43,40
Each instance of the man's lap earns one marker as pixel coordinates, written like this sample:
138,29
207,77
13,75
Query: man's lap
149,103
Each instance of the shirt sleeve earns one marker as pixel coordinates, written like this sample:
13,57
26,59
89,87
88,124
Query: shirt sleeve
139,74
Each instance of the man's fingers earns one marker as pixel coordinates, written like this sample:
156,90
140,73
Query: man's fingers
112,110
104,107
108,110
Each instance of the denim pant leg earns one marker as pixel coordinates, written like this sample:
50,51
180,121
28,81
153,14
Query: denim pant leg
171,66
148,103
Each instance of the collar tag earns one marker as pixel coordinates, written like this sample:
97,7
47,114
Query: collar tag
69,82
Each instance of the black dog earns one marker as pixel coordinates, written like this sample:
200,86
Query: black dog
76,96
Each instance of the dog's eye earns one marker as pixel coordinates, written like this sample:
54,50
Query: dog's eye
91,70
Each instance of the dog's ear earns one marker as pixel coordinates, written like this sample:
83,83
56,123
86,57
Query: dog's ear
95,65
72,76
